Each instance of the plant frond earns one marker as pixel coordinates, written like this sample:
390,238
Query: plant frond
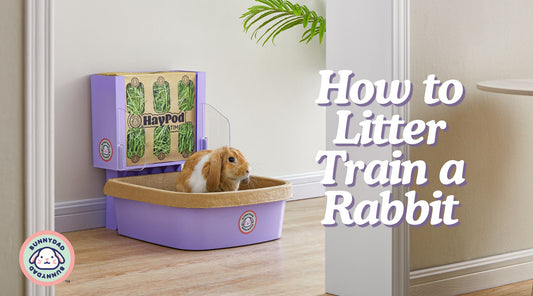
263,15
273,28
276,16
280,29
306,15
322,29
273,17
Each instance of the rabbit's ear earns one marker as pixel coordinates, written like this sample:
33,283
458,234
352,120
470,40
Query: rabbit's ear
215,169
59,256
35,255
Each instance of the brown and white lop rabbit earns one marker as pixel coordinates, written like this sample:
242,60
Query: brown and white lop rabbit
217,170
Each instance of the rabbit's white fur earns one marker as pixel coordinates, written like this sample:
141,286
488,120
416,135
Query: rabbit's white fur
221,169
197,182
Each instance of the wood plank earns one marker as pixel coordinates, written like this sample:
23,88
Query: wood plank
524,288
110,264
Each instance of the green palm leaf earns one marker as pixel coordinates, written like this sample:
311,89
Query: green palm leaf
271,17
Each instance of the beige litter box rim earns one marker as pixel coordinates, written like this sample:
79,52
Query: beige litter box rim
159,189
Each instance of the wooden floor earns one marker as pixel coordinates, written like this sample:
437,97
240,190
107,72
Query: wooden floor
518,289
109,264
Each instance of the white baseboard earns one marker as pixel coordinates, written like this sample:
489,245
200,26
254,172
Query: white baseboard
90,213
306,185
80,214
473,275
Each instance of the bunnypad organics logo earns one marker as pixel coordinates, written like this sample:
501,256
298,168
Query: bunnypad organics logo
46,258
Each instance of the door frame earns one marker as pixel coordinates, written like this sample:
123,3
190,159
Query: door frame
39,123
401,71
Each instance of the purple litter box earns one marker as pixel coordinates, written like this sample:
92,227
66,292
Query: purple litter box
148,209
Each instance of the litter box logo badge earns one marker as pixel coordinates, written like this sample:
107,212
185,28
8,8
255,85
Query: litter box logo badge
46,258
106,149
247,222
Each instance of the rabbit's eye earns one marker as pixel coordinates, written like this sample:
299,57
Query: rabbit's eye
231,159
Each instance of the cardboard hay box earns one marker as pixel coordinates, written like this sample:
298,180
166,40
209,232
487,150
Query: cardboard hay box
146,119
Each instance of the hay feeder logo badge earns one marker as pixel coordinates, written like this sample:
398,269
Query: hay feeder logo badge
106,149
46,258
247,222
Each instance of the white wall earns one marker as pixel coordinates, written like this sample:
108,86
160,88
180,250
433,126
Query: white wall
268,93
473,41
12,145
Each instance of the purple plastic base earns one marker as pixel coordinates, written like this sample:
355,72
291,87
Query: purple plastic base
197,229
110,219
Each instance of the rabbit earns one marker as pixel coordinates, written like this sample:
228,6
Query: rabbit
46,258
217,170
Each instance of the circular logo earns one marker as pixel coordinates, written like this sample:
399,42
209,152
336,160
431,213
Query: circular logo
135,158
135,82
46,258
134,120
106,149
161,155
161,80
247,222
